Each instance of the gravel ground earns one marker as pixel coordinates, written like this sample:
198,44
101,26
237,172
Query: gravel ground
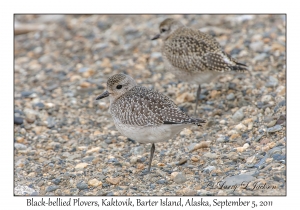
66,143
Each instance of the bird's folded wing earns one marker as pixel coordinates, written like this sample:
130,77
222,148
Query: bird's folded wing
143,107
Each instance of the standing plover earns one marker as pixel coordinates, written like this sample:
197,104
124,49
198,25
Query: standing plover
142,114
193,56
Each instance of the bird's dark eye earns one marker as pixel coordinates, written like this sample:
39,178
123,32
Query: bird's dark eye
163,30
119,86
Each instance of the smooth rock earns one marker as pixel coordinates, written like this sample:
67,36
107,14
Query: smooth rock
52,188
113,181
94,182
18,120
19,146
273,82
180,178
274,129
208,169
238,115
82,185
230,97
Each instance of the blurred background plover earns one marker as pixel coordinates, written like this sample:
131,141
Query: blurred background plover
193,56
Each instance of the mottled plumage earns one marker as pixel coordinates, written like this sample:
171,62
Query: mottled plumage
193,56
144,115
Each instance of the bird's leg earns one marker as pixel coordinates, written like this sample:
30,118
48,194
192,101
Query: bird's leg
151,156
197,98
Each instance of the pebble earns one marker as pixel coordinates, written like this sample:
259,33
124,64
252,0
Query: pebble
195,158
82,185
273,82
230,97
138,150
19,146
220,140
251,159
50,122
208,169
274,129
113,181
266,98
161,181
52,188
182,161
94,183
210,155
56,181
81,166
180,178
195,146
238,115
18,120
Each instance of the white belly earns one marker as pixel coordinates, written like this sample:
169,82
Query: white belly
197,77
150,134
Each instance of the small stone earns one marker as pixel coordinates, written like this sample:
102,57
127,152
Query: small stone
56,181
94,183
140,166
82,185
240,149
18,120
210,155
182,161
81,166
180,178
195,158
50,122
174,174
95,149
19,146
230,97
246,145
85,84
195,146
189,192
234,136
233,156
238,115
186,132
274,129
265,148
113,181
273,82
220,140
138,150
266,98
161,181
51,188
185,97
214,94
281,120
241,127
208,169
133,160
30,118
160,164
251,159
26,94
20,139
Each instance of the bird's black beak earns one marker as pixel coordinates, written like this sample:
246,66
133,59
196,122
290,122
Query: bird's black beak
103,95
156,37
